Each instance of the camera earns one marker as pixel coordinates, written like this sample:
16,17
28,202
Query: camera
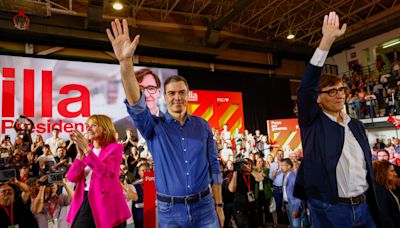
8,174
53,178
239,164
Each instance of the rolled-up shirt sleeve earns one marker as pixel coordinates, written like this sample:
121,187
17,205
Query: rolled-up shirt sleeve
137,108
319,57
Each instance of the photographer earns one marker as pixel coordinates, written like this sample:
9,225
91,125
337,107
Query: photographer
47,205
242,184
23,126
6,144
12,204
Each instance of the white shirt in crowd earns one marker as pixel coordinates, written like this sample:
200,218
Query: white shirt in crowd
54,143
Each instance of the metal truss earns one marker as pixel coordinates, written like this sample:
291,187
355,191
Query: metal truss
269,20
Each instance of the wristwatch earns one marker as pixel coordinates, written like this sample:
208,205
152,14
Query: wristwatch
219,204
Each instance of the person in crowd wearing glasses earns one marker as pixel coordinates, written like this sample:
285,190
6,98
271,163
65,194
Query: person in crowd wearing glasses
183,149
336,175
149,84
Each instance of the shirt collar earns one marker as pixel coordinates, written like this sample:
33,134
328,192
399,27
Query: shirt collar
346,118
169,118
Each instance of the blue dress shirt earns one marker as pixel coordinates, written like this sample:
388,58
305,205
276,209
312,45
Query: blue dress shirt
185,156
278,179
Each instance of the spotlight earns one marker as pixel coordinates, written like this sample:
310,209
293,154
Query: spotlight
290,36
118,6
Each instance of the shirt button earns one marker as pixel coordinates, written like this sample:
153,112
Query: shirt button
183,138
184,150
188,186
187,174
186,162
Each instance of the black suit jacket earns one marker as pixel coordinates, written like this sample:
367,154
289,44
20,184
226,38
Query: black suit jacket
388,208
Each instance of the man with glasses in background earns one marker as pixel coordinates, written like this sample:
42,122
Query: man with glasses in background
149,84
336,175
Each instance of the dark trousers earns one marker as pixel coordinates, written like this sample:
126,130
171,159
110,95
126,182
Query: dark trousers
84,217
229,210
263,209
246,219
278,195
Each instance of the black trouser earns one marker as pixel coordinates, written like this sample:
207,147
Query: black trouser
246,219
84,217
263,209
229,210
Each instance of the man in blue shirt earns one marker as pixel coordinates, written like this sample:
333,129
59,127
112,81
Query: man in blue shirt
276,175
183,149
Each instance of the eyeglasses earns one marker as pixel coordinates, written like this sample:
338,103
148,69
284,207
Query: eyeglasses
334,92
150,89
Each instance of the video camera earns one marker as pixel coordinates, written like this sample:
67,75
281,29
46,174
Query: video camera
8,174
53,176
8,168
239,164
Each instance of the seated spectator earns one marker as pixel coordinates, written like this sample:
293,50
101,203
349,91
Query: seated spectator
226,153
388,202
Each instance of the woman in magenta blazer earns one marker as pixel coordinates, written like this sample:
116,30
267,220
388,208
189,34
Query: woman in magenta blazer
98,199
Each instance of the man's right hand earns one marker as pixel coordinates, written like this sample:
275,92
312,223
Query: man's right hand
122,45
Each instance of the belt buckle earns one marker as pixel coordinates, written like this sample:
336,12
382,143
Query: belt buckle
352,202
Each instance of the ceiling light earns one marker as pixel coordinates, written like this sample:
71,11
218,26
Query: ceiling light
290,36
118,6
391,43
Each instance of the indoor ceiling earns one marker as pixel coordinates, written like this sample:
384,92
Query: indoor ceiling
245,24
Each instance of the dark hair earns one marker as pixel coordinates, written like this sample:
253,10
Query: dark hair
145,71
287,161
329,80
381,169
175,78
60,147
46,146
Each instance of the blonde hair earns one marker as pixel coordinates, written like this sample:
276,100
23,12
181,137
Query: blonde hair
107,125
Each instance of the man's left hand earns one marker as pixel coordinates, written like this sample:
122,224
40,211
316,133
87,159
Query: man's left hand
221,216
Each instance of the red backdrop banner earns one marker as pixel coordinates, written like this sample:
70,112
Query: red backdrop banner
218,108
149,200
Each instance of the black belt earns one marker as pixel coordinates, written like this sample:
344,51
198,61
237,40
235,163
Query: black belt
184,199
353,200
278,187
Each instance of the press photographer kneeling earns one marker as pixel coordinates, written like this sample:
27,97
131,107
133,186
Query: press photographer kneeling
242,184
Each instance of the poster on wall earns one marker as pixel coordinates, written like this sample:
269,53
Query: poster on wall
62,94
218,108
284,134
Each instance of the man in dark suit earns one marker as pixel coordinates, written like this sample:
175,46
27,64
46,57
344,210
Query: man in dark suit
336,175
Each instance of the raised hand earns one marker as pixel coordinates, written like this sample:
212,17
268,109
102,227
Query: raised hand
331,30
121,42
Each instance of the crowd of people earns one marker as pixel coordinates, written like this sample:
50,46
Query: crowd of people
204,177
265,170
374,93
